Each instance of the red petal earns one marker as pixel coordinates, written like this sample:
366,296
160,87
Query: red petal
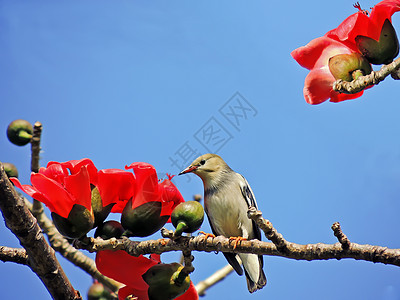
55,171
127,291
115,185
78,185
75,166
124,268
171,197
34,193
60,200
354,25
190,294
380,12
146,183
318,86
317,52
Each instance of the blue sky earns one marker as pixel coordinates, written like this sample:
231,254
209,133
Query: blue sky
129,81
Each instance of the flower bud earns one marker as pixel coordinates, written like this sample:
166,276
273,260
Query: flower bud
187,217
143,220
10,169
109,229
382,51
161,280
97,291
19,132
349,66
79,222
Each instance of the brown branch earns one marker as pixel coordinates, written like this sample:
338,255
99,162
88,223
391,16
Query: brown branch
35,157
42,259
61,245
291,250
362,82
337,231
212,280
16,255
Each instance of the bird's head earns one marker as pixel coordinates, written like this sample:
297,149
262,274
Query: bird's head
207,166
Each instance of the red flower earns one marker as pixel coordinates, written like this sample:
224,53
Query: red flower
152,204
316,54
148,188
128,270
62,185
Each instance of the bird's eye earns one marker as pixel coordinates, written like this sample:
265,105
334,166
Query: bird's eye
202,162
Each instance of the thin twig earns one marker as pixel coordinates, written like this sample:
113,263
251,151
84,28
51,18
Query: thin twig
16,255
35,157
218,276
337,231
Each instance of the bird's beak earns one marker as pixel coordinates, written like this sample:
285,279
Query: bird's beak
188,170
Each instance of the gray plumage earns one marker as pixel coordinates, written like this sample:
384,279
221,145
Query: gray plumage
227,197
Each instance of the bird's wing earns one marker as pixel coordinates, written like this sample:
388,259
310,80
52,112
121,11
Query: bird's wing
248,195
230,257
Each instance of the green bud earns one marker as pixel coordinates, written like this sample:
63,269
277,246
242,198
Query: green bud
97,291
382,51
100,213
109,229
187,217
79,222
143,220
19,132
10,169
349,66
161,280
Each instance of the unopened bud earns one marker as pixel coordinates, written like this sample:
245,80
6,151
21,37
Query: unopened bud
19,132
11,170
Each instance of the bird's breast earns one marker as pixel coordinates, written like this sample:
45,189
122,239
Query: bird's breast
226,214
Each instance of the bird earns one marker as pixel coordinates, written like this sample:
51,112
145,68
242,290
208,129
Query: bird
227,197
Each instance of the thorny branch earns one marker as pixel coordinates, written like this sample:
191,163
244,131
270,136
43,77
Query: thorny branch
363,82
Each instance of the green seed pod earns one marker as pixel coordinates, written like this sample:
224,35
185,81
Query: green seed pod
161,280
382,51
143,220
11,170
97,291
187,217
19,132
79,222
109,229
349,66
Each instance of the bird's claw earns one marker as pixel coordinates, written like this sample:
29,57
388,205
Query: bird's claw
207,235
236,240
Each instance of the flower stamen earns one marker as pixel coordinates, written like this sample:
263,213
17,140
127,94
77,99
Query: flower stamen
358,6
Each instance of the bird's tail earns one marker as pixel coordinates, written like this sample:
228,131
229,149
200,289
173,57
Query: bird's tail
253,269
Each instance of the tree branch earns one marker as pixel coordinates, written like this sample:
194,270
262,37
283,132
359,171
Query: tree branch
218,276
362,82
16,255
42,259
35,157
291,250
61,245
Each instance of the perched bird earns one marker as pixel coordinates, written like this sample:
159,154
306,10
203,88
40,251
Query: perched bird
227,197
